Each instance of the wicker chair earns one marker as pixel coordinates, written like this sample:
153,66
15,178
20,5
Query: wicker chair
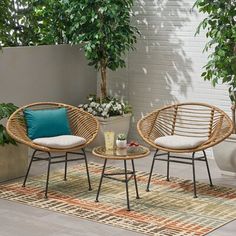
204,124
81,123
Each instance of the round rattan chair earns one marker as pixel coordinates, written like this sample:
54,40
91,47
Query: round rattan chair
82,124
204,124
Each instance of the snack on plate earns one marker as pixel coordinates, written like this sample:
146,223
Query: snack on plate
133,147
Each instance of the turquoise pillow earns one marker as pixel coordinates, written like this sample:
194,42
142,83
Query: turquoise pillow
47,123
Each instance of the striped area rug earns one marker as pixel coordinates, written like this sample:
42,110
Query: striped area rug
168,210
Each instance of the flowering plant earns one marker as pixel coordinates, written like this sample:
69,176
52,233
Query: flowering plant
106,107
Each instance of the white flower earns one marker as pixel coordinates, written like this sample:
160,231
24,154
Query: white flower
108,106
90,99
93,104
85,106
94,113
90,110
104,113
119,107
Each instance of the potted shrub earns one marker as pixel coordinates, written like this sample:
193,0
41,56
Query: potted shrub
13,157
220,26
104,30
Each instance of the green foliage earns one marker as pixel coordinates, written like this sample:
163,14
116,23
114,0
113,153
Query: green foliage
32,22
6,109
220,26
53,21
104,30
102,27
14,23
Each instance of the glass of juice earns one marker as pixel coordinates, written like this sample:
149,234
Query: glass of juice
109,140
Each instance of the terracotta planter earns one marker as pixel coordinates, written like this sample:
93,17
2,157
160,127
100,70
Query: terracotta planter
13,161
117,124
225,155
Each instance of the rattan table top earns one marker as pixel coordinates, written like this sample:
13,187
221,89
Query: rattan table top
121,154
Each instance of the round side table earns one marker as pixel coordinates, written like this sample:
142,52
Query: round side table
121,155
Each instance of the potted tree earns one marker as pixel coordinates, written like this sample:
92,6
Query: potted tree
220,26
104,30
13,158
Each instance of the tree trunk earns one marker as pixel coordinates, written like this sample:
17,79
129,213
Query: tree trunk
233,109
103,81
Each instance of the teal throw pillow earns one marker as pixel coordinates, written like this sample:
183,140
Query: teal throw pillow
47,123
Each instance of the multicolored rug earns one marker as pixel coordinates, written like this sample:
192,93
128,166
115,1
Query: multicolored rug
168,210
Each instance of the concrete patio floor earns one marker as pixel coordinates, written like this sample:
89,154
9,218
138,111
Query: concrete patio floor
21,220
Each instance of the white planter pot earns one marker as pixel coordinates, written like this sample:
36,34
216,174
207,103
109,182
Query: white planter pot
117,124
13,161
121,143
225,155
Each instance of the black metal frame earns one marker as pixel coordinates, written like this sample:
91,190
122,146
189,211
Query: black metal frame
126,180
177,159
50,158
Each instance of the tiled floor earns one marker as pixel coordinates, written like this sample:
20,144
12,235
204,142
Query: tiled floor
19,220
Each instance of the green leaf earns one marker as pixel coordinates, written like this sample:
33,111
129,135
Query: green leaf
6,109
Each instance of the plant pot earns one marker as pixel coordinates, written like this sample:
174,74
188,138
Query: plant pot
13,161
117,124
225,155
121,143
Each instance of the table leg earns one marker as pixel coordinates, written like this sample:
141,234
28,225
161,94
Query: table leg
100,184
135,180
127,187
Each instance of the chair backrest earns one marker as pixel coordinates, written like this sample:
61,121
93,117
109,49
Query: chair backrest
82,123
185,119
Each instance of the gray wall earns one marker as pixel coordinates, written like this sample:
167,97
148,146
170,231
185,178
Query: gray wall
45,73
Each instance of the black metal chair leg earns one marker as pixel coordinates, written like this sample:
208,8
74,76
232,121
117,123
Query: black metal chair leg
208,169
150,174
100,184
194,179
168,167
87,169
65,173
127,186
28,170
49,164
135,180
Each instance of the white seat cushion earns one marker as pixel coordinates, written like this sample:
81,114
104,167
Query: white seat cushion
179,142
60,142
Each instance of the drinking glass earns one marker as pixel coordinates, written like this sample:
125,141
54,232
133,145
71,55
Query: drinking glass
109,140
